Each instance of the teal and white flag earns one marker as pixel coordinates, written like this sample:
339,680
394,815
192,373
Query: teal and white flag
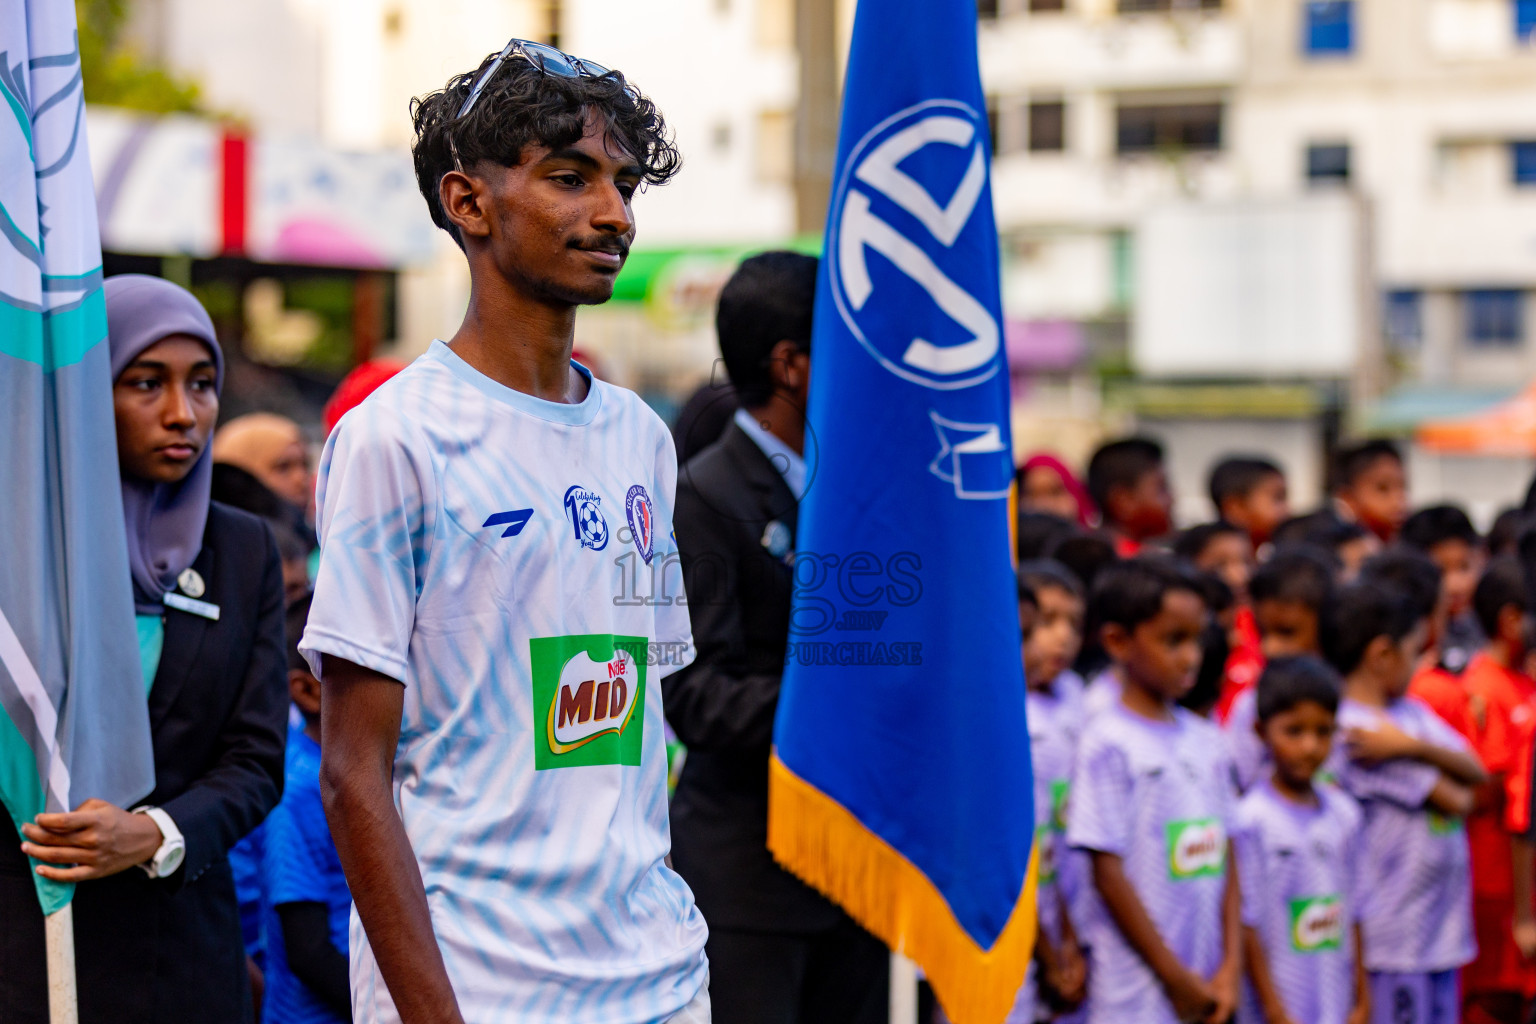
74,723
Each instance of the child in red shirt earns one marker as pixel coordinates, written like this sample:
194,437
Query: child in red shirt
1127,479
1499,697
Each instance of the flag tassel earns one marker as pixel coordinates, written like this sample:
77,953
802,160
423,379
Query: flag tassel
59,931
820,842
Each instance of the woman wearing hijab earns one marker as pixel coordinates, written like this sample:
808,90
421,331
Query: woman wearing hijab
157,931
1047,485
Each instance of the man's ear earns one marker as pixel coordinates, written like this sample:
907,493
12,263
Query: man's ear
463,201
304,690
783,367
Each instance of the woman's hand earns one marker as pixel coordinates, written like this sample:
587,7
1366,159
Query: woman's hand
95,840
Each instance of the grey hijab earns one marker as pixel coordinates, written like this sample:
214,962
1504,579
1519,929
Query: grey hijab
165,521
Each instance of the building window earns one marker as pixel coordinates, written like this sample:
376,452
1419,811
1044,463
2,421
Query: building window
775,147
1047,127
1495,317
1167,126
1328,164
1329,29
1522,159
1047,5
1142,6
1403,319
1525,19
986,9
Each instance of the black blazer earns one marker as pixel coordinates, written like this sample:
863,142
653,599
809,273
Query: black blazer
722,706
169,951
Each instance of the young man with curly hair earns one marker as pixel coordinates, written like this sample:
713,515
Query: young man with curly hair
493,764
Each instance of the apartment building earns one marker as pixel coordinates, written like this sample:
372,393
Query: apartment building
1423,112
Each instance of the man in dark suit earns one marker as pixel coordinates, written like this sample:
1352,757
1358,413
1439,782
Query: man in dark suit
779,953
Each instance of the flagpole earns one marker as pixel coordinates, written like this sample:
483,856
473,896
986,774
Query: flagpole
903,990
59,927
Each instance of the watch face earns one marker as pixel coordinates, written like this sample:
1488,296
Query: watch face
171,861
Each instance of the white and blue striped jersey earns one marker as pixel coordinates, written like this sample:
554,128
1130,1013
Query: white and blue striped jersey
511,561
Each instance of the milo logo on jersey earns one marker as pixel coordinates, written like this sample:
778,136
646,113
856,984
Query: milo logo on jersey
1317,924
1196,849
1060,790
1443,825
589,699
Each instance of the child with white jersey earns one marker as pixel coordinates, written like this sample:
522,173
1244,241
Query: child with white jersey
1296,840
1414,778
1054,701
1152,805
494,770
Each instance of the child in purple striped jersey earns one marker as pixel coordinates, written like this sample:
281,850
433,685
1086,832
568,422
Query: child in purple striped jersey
1296,841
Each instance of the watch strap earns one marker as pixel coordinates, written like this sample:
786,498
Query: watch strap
171,837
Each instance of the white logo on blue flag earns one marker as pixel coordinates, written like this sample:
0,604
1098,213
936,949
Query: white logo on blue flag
973,457
922,139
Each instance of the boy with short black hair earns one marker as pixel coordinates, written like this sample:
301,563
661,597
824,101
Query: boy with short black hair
1288,594
1370,486
1417,580
1500,695
1348,544
1250,492
1128,481
305,901
1414,777
1445,535
1220,548
1054,701
1152,806
1296,841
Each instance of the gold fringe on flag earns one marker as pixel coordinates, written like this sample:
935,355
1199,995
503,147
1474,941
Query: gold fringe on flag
819,841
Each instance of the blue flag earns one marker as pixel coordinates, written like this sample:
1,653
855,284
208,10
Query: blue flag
901,777
74,722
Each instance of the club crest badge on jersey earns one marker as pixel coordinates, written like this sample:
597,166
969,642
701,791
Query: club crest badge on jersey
642,521
583,509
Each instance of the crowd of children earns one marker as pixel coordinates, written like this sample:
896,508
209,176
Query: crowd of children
1283,764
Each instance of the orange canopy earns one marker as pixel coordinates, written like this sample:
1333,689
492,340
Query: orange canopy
1508,428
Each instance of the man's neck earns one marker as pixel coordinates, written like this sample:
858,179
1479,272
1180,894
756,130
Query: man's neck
521,343
782,418
1362,688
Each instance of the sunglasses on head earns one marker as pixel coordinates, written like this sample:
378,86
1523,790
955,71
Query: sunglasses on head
542,56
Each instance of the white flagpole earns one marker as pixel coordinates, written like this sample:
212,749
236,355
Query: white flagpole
59,927
903,990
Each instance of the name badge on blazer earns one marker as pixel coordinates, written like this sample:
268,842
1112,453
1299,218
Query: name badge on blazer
182,602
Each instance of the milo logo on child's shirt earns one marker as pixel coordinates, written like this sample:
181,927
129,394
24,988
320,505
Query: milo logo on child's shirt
1443,825
1317,924
1196,849
589,696
1059,790
1047,836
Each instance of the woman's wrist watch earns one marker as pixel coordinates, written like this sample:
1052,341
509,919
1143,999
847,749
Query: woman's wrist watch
173,848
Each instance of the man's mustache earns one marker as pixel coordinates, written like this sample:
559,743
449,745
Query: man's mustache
616,246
